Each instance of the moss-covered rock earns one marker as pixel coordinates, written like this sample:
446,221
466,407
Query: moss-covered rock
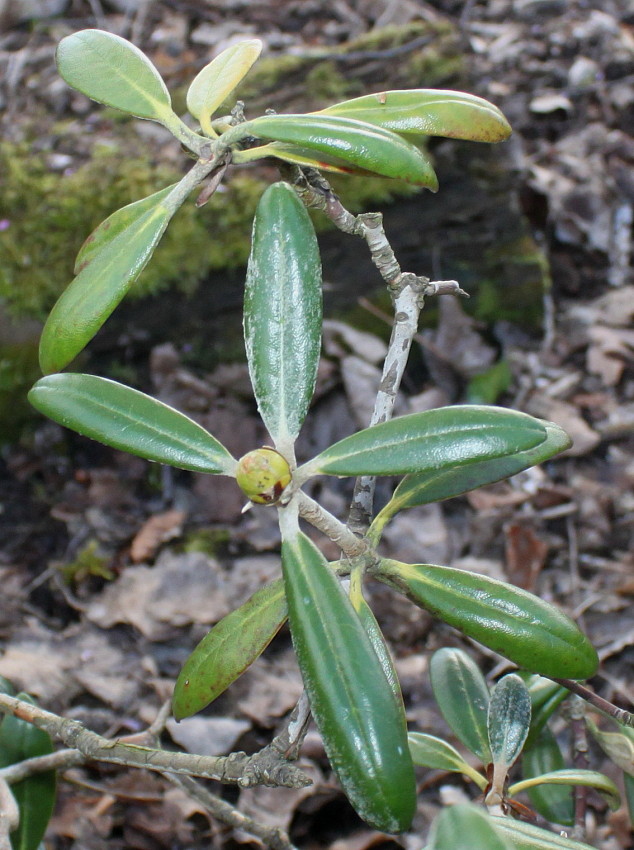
48,215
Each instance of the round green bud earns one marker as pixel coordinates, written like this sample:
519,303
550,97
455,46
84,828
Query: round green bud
263,475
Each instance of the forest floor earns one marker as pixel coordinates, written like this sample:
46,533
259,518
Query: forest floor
111,571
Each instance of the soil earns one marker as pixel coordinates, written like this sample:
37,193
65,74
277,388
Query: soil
112,570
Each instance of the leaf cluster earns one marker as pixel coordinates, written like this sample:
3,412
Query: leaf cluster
348,673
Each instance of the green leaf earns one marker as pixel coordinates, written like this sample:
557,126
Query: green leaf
525,836
464,474
428,112
432,442
463,698
373,631
109,270
555,803
218,79
111,70
230,647
575,776
282,312
509,718
298,156
432,752
546,696
6,688
351,700
129,420
115,225
362,145
628,784
465,827
520,626
35,795
618,746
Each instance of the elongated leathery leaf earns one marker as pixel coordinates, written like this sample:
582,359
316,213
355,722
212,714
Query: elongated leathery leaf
509,719
35,795
521,627
129,420
463,698
546,696
114,225
448,481
575,776
465,827
108,273
352,702
429,751
219,78
553,802
433,441
230,647
282,312
428,112
299,156
371,148
373,631
618,746
525,836
111,70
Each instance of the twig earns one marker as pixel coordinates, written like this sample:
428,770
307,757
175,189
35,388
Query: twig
9,815
580,760
618,714
333,528
238,768
60,760
271,836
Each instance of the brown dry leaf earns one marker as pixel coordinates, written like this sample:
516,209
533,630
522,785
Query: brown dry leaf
155,531
83,817
249,574
272,689
365,345
177,591
608,351
525,555
458,340
419,536
496,496
207,736
366,840
584,438
361,381
616,308
55,667
277,806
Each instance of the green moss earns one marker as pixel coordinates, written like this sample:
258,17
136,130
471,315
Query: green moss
325,82
206,540
516,277
87,564
48,216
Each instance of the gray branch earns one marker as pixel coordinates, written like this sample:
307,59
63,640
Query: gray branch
237,768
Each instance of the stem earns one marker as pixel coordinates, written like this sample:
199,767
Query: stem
580,760
272,837
408,293
192,141
407,306
618,714
236,768
340,534
9,815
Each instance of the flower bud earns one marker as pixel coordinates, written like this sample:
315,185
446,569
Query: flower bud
262,475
